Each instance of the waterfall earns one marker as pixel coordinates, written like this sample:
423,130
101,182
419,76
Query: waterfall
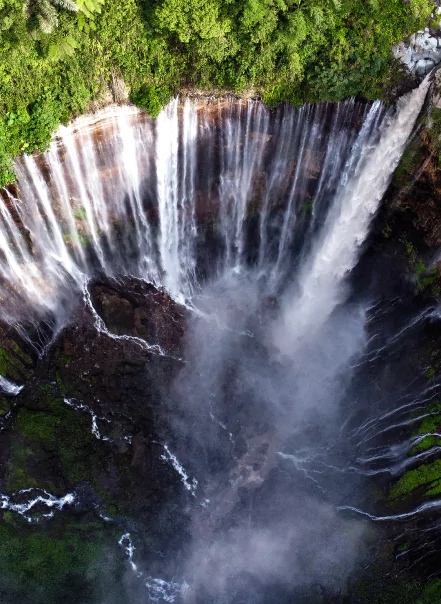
363,182
207,188
255,218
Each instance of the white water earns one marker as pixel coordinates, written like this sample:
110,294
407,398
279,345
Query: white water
189,485
9,387
425,507
159,590
118,193
41,500
359,193
94,417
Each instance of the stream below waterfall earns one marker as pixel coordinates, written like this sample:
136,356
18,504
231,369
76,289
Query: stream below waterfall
194,305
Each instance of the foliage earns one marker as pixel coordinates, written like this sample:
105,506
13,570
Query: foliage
45,12
434,130
294,50
68,561
151,98
426,475
89,7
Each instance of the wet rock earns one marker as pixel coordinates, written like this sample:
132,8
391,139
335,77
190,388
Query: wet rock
424,66
421,53
141,456
138,309
86,424
415,193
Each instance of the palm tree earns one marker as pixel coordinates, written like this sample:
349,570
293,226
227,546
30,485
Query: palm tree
46,12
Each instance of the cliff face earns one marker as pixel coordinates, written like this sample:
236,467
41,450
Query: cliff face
402,265
90,431
413,201
85,437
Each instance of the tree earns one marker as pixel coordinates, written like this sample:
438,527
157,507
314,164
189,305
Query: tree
46,13
193,19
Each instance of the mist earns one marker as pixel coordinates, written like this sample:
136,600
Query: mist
257,410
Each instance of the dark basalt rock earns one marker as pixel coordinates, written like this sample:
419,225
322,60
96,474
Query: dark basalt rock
115,466
141,311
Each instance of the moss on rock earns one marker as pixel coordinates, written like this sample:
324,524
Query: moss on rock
406,592
19,473
426,475
14,362
56,431
69,562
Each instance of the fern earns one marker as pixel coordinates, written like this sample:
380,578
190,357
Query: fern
67,4
46,13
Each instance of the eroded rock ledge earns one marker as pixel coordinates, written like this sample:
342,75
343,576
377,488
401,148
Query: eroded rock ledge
85,436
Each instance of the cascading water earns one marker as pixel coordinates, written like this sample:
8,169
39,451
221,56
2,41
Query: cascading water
231,208
119,193
358,196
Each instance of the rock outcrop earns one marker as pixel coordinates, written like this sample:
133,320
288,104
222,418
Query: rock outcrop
422,51
82,451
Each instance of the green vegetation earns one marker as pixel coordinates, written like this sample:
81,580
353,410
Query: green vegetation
384,591
306,209
75,238
430,424
14,363
44,12
425,475
425,277
434,130
38,555
52,430
151,98
58,431
428,475
19,476
410,159
70,561
426,280
431,594
80,214
5,405
57,55
426,443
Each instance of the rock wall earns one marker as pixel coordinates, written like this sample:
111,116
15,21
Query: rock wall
422,51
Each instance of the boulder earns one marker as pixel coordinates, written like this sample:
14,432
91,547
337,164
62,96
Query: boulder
420,54
423,67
